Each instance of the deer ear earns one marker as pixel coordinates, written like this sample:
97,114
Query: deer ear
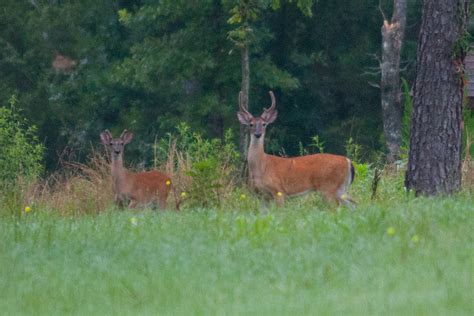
105,137
244,118
126,137
270,117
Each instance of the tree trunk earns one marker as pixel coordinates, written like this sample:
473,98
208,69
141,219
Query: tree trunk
243,139
392,38
434,163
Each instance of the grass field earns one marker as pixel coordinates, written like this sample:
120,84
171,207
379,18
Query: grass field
403,257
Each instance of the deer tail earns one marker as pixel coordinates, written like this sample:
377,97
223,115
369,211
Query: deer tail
352,172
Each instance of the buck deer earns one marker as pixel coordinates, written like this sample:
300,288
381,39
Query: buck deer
279,177
141,188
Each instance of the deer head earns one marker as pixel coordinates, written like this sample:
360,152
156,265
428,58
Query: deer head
257,125
116,145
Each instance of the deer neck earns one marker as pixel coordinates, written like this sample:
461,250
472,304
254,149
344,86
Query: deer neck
256,156
119,173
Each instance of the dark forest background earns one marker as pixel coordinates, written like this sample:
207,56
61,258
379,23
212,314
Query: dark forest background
78,67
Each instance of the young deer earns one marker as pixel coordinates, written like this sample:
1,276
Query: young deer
141,188
279,177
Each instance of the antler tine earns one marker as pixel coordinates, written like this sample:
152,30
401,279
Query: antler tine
242,107
272,107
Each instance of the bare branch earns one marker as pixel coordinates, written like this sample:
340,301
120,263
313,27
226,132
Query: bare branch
371,73
373,85
381,11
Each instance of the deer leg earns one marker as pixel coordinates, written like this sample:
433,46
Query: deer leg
162,202
162,197
132,204
118,201
279,197
346,200
343,196
330,197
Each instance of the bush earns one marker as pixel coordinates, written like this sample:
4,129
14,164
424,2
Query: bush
21,154
205,169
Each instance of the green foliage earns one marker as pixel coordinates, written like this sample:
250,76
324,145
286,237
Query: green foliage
124,16
148,65
206,182
362,171
468,132
317,144
21,154
353,150
462,45
212,164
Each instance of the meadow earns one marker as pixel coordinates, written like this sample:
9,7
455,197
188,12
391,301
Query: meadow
66,249
394,255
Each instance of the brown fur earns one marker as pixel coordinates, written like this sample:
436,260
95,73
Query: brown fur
140,188
279,177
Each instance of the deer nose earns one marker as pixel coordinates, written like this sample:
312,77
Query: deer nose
258,135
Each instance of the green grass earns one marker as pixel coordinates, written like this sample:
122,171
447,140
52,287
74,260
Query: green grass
296,260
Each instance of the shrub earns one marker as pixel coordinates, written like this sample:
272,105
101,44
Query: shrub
205,169
21,157
21,153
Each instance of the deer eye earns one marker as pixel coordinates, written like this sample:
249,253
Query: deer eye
111,143
264,124
251,124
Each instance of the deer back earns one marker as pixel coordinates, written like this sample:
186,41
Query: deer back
146,187
298,175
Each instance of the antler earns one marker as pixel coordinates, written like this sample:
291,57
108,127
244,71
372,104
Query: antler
272,107
241,105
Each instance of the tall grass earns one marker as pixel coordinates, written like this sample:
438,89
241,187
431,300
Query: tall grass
205,174
409,256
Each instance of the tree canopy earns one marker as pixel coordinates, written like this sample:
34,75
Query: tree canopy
78,67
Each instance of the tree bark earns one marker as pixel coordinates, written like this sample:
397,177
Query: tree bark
243,135
392,38
434,162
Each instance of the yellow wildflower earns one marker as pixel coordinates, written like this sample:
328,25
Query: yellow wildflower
243,196
183,194
168,182
134,221
279,193
27,209
391,231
